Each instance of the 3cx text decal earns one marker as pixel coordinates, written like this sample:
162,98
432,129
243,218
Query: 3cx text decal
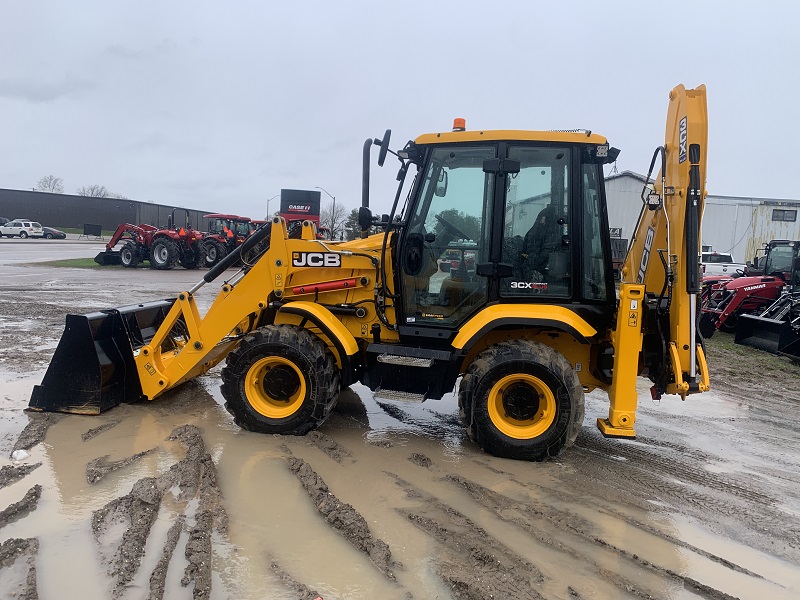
316,259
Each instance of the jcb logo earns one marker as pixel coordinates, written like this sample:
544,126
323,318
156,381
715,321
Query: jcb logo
648,246
316,259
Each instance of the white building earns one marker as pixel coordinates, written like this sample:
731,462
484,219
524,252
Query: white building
732,224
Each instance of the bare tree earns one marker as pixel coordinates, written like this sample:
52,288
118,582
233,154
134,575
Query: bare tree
333,217
50,183
93,191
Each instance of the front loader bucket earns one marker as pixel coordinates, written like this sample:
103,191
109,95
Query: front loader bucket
108,258
772,335
93,368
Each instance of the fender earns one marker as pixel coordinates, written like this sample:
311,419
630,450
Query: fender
538,315
334,330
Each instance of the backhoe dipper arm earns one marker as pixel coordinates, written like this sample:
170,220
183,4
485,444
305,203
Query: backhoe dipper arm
657,316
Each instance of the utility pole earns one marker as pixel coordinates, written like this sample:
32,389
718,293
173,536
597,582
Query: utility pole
333,211
269,216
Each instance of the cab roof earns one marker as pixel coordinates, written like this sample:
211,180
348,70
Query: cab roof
573,137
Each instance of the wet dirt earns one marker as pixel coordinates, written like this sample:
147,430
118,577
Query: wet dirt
386,500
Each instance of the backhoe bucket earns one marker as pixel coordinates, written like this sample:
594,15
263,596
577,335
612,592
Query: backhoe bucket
108,258
772,335
93,368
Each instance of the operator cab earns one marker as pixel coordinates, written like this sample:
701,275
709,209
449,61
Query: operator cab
504,217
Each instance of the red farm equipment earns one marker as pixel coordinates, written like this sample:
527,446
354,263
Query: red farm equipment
225,234
723,302
163,248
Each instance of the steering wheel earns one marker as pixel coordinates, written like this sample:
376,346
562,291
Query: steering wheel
451,228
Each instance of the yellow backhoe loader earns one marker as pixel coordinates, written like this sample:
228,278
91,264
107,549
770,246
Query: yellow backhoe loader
524,311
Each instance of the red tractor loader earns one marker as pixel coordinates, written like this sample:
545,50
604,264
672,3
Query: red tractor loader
162,247
724,302
225,234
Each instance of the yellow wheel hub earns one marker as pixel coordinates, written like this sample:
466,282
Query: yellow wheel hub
521,406
275,387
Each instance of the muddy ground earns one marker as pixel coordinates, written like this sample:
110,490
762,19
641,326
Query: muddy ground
170,499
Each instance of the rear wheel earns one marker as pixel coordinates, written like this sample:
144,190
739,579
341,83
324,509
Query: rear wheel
215,252
23,234
281,379
523,400
129,255
163,253
194,256
48,236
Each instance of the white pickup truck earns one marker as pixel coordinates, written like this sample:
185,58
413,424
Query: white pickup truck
721,263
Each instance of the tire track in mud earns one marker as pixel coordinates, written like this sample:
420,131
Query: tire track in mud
195,477
527,516
471,563
18,556
343,517
727,496
99,467
11,474
23,508
622,499
301,590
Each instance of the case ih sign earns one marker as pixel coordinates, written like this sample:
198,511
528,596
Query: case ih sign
300,204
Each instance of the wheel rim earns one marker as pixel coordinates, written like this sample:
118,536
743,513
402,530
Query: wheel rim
161,253
211,253
521,406
23,235
126,256
275,387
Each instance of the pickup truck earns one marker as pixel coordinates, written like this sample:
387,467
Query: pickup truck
721,263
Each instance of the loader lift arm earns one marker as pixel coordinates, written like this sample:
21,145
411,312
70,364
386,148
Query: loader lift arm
656,331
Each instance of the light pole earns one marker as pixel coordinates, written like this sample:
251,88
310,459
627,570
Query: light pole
333,212
268,200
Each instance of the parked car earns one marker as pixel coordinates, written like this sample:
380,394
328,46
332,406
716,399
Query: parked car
3,220
22,228
53,234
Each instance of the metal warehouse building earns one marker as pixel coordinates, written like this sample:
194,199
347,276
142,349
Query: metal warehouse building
65,210
734,224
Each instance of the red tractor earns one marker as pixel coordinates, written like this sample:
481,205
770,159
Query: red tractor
162,247
724,301
225,234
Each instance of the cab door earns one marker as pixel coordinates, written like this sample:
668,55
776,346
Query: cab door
448,234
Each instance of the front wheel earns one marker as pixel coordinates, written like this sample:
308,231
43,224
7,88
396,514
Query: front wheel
281,379
163,253
522,400
129,255
215,252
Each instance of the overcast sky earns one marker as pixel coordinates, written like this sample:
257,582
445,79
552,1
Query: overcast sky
218,106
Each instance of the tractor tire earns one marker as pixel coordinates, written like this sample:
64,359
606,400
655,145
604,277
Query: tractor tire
129,255
729,325
215,252
521,399
23,235
281,379
163,253
194,256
